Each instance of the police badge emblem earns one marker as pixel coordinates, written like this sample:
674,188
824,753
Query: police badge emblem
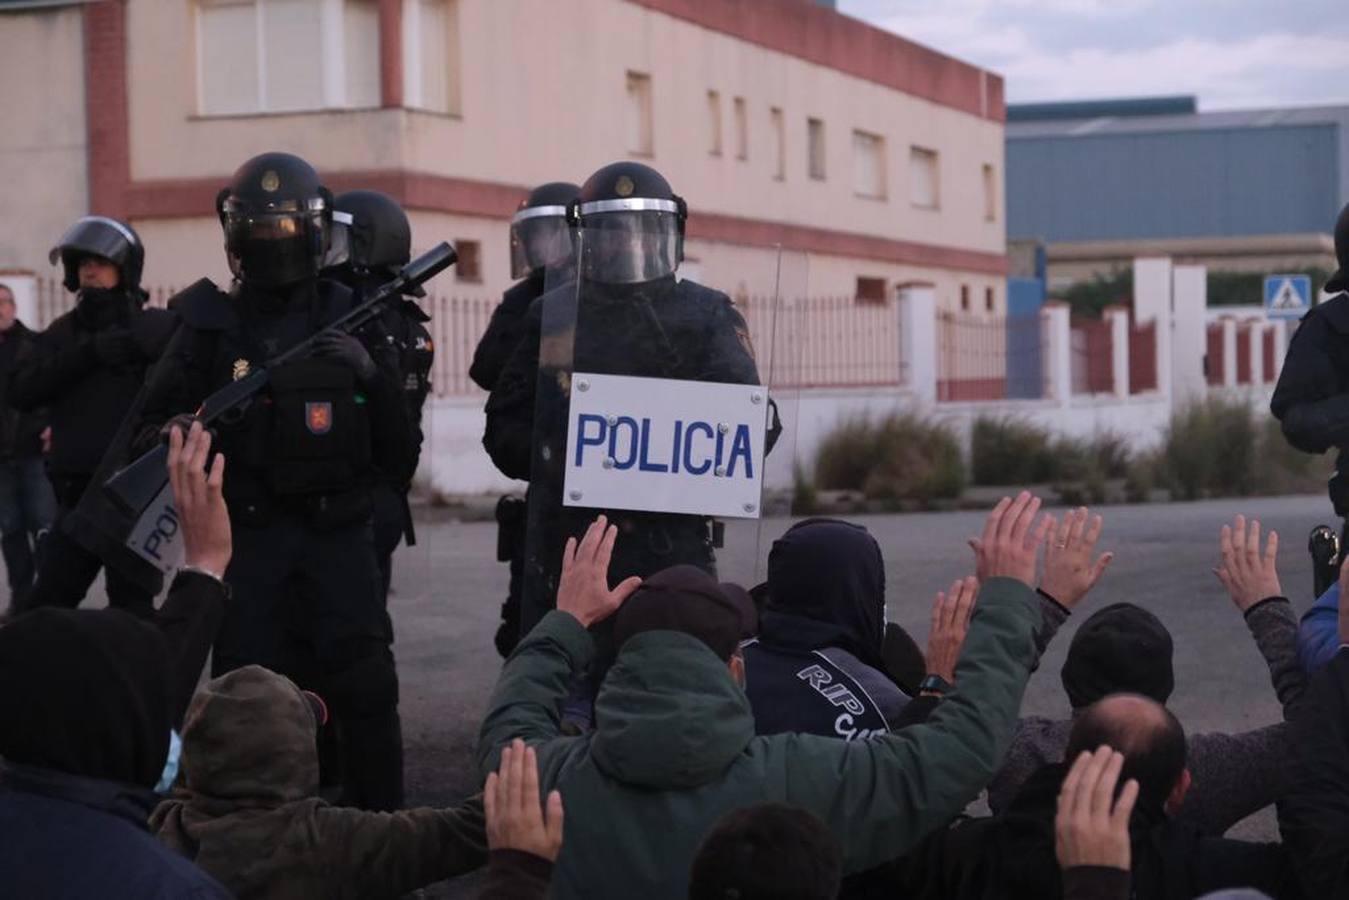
270,181
240,369
624,186
319,417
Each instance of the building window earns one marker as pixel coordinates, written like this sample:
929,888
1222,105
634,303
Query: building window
639,114
923,173
741,128
779,143
868,165
431,55
989,299
815,145
286,55
870,290
965,298
714,123
990,194
469,266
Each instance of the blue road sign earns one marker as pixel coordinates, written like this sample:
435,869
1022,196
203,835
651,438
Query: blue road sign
1287,296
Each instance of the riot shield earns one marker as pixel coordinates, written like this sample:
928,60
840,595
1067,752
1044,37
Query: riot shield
650,408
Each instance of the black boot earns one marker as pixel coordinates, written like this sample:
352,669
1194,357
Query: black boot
372,757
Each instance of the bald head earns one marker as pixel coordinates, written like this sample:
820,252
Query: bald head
1150,737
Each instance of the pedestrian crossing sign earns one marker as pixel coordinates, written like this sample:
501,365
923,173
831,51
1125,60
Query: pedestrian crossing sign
1287,296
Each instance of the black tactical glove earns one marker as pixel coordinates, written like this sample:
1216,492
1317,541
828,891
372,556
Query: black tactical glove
349,351
117,348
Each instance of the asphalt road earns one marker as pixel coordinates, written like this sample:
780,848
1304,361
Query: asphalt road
448,590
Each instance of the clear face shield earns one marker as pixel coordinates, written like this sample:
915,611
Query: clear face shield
630,241
540,239
278,246
339,241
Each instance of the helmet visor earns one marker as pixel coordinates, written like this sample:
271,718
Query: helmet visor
276,248
630,246
96,236
339,241
539,241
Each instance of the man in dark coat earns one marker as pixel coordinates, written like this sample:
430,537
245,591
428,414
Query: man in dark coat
27,504
87,701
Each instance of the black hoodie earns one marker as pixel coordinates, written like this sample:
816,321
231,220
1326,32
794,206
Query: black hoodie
816,666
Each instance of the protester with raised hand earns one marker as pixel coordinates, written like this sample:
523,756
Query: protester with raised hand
87,702
675,748
524,838
1124,648
1091,829
1314,814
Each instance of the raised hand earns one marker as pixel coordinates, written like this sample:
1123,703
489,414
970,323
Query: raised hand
1248,574
1009,546
198,499
1070,571
583,589
515,819
1092,827
951,613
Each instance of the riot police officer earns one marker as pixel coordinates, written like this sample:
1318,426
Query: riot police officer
303,461
87,369
372,240
541,242
1311,399
629,316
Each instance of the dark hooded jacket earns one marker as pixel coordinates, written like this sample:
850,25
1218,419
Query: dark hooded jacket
816,666
674,749
86,703
1012,857
249,811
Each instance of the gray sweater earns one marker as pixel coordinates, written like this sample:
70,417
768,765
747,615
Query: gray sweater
1234,775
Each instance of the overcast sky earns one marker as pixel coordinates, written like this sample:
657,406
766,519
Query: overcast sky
1232,53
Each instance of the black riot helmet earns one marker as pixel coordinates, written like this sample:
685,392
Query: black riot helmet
109,239
276,216
540,234
370,235
632,225
1339,282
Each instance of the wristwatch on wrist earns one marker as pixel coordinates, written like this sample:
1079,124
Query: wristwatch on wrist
934,684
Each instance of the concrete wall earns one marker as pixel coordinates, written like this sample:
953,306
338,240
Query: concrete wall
42,133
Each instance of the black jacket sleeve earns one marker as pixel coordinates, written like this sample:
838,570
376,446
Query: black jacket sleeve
1310,400
189,618
503,333
515,875
48,365
1314,817
178,384
394,446
510,407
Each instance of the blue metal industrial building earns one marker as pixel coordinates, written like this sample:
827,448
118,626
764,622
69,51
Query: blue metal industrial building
1101,182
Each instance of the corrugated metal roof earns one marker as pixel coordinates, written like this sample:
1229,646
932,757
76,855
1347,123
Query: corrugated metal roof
1223,120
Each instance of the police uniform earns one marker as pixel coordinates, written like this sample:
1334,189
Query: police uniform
303,459
372,240
541,245
1311,399
633,318
87,368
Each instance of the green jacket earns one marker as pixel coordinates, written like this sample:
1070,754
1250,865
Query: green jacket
674,749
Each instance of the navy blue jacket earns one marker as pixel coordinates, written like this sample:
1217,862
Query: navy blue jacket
65,836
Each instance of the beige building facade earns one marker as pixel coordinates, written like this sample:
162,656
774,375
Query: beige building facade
877,162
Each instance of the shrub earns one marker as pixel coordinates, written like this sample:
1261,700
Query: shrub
900,457
804,500
1010,451
1217,448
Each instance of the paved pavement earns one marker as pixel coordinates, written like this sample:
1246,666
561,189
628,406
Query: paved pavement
447,594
